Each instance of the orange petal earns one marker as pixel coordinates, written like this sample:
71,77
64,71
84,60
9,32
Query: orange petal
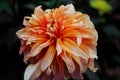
69,62
38,12
36,49
77,59
70,33
59,12
80,62
89,42
71,47
39,16
86,33
84,48
33,21
48,58
34,39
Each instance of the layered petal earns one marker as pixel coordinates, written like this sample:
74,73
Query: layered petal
71,47
58,43
36,49
32,71
48,58
68,61
59,46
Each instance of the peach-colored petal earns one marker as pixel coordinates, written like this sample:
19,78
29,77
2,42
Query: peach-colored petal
68,33
33,21
89,42
59,12
23,47
84,48
86,33
91,65
71,47
70,9
32,71
79,40
27,23
22,34
35,39
36,49
47,59
39,16
59,46
92,53
77,59
80,63
69,62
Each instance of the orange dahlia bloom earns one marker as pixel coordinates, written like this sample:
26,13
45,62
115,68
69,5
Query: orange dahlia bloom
58,43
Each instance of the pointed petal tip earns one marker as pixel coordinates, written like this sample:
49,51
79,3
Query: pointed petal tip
32,72
79,40
71,9
59,47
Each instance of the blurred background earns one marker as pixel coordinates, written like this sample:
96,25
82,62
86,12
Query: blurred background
105,14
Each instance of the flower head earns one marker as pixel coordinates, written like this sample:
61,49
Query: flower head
58,43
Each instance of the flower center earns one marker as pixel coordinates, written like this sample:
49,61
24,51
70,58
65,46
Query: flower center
52,30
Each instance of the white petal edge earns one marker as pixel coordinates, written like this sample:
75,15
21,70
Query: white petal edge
70,9
58,47
79,40
32,71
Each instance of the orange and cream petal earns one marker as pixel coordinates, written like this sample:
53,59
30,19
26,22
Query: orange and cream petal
58,43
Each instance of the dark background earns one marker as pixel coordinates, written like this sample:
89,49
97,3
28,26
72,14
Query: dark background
106,23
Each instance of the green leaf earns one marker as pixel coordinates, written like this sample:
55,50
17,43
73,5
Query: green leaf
101,5
4,5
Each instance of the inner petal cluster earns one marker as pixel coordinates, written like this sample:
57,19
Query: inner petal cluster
52,30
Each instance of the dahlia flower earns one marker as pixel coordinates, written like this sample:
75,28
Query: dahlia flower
57,44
